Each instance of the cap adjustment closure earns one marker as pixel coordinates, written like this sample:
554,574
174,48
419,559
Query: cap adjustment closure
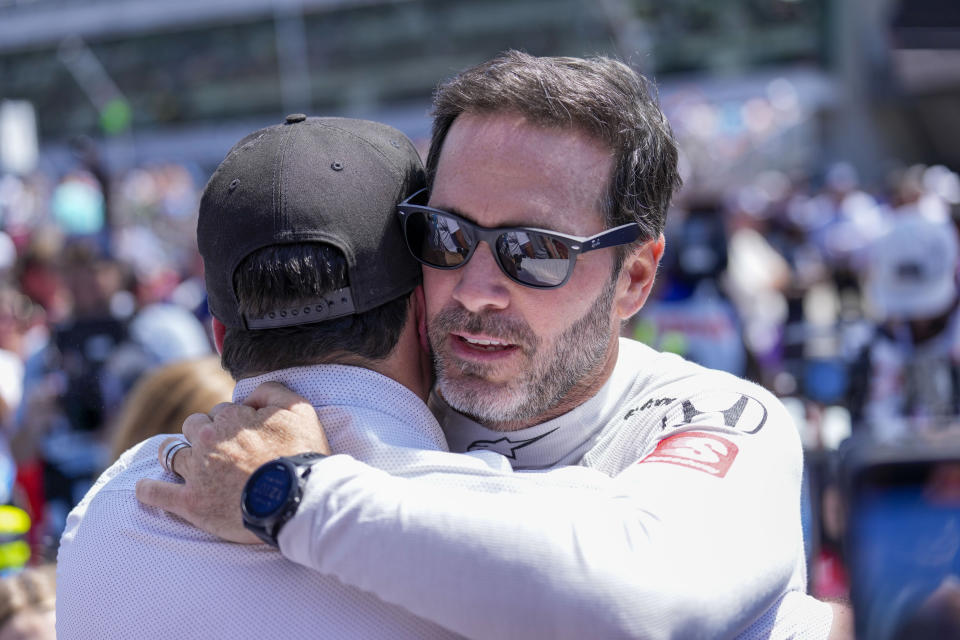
335,304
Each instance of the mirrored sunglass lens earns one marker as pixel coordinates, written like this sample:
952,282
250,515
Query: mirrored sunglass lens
533,259
437,239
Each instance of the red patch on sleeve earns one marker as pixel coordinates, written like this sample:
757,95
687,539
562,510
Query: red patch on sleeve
696,450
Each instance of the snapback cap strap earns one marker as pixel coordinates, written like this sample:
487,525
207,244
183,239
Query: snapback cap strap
335,304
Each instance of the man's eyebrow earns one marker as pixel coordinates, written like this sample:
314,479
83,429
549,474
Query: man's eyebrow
510,225
455,211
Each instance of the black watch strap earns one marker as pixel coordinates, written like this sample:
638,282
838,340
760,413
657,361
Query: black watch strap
267,527
305,459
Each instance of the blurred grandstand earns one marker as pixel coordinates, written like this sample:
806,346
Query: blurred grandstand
774,81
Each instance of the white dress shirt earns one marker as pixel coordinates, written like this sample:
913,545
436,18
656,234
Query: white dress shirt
126,570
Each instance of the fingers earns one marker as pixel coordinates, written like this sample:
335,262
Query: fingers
223,423
220,407
211,506
184,455
192,426
169,449
274,394
165,495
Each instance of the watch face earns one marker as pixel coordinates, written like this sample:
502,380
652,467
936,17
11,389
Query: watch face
268,490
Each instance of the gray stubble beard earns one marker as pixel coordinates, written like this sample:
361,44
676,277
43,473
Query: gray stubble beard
578,353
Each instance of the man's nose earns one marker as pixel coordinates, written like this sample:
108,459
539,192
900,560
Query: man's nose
482,285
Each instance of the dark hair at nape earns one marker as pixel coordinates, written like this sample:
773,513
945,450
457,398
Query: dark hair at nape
283,275
599,95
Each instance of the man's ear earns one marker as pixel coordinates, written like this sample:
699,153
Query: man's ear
420,315
218,332
636,277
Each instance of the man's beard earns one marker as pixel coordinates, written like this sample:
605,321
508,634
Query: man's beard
577,355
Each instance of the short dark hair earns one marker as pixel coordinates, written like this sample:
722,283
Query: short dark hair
600,96
283,275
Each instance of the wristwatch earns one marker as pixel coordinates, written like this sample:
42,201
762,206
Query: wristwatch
272,494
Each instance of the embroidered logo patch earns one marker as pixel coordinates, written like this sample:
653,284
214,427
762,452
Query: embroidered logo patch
720,409
698,450
505,446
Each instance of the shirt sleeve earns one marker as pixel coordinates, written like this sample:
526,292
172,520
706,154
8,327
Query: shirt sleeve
697,539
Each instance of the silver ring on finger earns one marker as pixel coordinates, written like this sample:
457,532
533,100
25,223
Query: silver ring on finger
170,450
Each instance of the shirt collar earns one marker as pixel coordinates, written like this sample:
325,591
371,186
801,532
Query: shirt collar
561,441
393,414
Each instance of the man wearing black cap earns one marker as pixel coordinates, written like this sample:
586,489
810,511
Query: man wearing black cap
541,232
292,228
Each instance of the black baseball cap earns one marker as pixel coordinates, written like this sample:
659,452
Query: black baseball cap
331,180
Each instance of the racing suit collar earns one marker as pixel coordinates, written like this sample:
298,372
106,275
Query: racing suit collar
561,441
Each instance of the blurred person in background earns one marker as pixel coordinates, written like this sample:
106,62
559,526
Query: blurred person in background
90,297
906,376
689,313
21,322
927,192
155,235
758,279
16,312
37,275
841,221
27,604
78,205
163,398
71,390
106,326
74,385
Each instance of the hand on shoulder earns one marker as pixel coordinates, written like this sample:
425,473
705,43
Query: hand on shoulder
226,446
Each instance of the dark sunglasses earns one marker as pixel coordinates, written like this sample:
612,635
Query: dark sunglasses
531,257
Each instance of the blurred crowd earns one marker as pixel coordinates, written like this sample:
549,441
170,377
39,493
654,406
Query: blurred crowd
100,292
838,296
822,290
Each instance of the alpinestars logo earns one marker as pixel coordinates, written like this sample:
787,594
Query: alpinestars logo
726,408
505,446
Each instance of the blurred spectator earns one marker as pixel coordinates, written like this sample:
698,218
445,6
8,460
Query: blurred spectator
907,375
21,322
829,577
27,604
852,220
77,382
69,395
924,191
98,283
163,399
691,314
15,310
38,274
166,332
758,277
78,205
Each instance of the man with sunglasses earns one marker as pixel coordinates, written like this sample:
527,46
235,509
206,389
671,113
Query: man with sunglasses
541,233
